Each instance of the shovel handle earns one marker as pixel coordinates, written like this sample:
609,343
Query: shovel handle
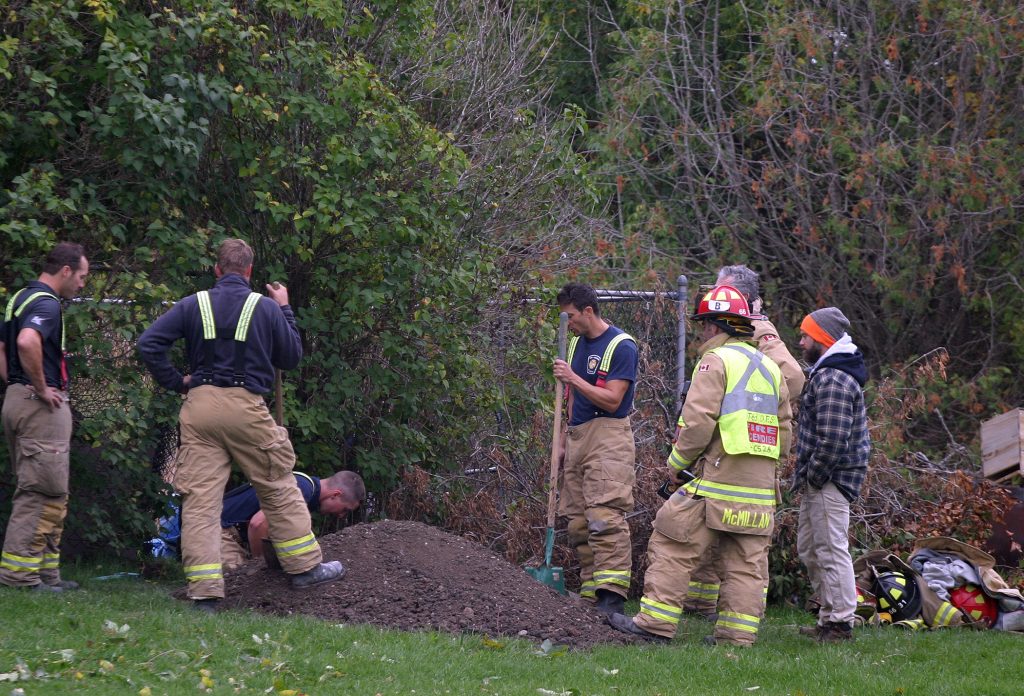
563,325
278,386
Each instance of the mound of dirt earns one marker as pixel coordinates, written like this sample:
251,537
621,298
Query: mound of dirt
411,576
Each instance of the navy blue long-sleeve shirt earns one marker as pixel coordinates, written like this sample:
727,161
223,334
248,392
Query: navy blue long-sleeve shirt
273,339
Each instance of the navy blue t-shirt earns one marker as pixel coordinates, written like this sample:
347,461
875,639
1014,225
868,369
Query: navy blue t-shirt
241,503
586,360
43,315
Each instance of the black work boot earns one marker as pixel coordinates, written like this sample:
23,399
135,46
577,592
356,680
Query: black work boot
609,603
621,622
835,632
319,575
62,584
210,605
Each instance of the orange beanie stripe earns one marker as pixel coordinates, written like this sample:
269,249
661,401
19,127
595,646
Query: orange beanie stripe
811,328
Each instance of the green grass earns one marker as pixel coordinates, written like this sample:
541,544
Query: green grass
126,636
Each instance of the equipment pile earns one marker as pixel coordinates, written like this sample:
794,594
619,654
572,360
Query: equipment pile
943,583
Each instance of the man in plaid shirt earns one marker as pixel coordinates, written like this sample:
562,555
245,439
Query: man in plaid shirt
832,460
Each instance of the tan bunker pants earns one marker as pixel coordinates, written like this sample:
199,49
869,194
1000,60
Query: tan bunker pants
597,492
677,545
218,426
38,440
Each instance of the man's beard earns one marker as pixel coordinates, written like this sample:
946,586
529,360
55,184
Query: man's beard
813,354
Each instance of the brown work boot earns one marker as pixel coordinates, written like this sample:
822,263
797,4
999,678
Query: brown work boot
835,632
811,631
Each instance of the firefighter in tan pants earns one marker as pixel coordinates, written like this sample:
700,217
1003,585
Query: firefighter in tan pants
705,580
736,420
37,421
598,448
234,340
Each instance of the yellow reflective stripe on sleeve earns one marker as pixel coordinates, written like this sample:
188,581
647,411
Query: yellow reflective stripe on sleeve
612,577
736,494
20,564
296,547
662,612
738,622
944,614
208,571
242,330
678,461
51,560
702,590
206,314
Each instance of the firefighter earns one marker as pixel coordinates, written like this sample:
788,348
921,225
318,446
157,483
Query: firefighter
37,421
597,448
705,580
242,519
234,339
735,424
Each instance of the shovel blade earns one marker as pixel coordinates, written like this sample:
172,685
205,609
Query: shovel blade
552,576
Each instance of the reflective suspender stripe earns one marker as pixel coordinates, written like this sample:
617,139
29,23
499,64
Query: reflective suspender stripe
612,577
20,564
242,330
50,561
606,359
206,314
296,547
209,571
305,476
572,349
736,494
738,622
11,312
662,612
703,590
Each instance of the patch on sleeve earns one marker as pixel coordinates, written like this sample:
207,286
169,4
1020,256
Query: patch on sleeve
769,337
704,367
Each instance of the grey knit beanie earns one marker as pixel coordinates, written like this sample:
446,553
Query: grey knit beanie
828,319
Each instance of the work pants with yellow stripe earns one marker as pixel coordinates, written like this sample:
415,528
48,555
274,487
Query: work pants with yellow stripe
706,582
218,426
597,492
38,441
672,560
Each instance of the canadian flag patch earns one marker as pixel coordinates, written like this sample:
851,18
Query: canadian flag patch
704,367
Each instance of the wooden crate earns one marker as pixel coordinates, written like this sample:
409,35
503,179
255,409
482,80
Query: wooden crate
1002,445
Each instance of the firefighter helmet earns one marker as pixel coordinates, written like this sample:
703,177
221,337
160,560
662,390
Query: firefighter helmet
722,302
977,605
897,595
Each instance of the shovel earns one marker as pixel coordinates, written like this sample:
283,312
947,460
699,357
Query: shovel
553,576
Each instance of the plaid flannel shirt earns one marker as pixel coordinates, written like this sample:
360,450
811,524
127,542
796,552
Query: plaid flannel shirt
832,441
